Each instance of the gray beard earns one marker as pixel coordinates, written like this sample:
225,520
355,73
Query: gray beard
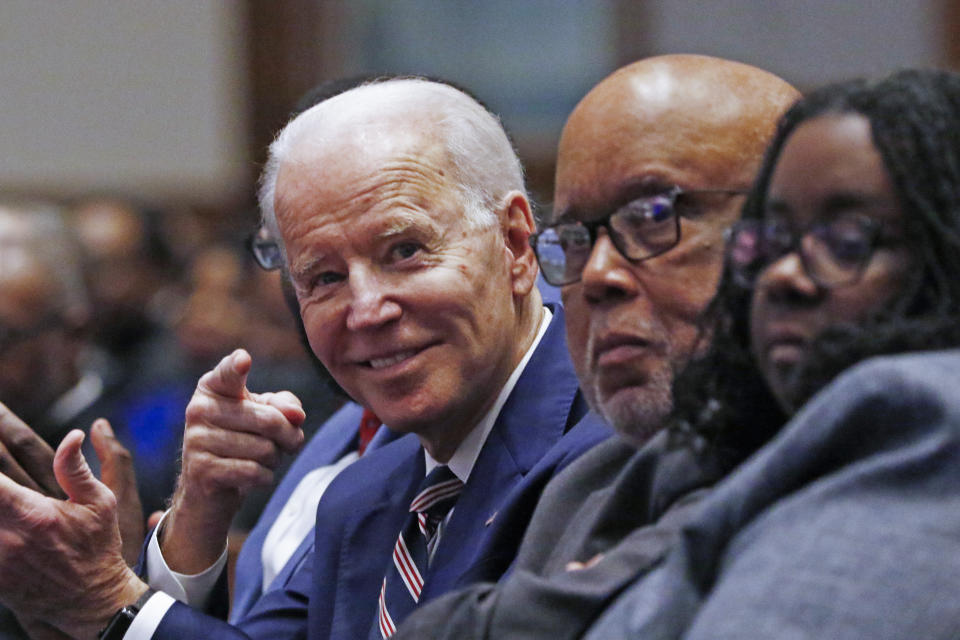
637,414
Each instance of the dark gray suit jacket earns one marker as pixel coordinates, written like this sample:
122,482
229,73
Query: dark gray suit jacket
599,505
845,526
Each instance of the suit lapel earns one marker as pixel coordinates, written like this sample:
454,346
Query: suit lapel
369,540
334,439
534,417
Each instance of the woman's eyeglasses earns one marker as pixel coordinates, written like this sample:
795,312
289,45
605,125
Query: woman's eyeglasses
834,252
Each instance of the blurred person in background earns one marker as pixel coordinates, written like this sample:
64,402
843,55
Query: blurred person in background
128,268
45,376
45,314
136,294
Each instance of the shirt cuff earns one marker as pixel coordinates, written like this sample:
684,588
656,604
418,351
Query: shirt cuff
145,623
191,589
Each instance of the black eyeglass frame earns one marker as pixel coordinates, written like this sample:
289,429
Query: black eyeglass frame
615,237
745,275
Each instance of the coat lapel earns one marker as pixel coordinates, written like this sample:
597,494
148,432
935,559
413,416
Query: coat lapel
334,439
369,541
532,420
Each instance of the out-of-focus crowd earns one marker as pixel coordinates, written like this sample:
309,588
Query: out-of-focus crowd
110,308
740,421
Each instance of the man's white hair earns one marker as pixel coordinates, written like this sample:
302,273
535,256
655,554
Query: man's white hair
484,164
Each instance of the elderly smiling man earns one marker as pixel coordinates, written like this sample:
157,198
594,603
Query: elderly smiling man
406,228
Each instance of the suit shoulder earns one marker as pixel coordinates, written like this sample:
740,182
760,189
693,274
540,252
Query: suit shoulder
365,478
889,388
596,468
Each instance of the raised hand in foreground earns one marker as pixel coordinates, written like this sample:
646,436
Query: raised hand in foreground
232,442
61,563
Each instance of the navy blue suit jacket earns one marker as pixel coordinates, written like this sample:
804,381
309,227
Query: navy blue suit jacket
363,509
335,439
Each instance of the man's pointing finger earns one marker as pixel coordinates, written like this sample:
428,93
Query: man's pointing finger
229,377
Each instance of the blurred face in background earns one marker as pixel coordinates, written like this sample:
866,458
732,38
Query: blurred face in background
38,349
216,312
121,275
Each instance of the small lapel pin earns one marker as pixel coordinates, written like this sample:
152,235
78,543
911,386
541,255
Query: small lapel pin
491,519
579,566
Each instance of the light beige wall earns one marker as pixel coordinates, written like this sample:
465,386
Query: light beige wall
140,95
808,42
150,96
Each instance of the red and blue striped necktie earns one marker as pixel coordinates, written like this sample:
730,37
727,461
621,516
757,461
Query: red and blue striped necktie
401,588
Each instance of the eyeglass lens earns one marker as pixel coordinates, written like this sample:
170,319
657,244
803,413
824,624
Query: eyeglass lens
641,229
267,254
265,250
833,252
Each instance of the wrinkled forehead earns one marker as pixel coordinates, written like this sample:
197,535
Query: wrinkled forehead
371,168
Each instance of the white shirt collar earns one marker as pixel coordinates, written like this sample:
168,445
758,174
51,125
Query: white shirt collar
462,461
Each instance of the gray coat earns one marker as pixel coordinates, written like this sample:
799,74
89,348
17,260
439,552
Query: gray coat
845,526
601,504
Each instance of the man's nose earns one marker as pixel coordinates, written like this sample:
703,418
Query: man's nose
372,302
786,280
607,276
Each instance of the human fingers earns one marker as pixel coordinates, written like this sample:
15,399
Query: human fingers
117,472
15,500
12,469
55,553
229,377
221,443
25,456
154,519
212,475
74,475
292,410
249,415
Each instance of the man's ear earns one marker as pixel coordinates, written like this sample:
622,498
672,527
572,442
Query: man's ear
518,225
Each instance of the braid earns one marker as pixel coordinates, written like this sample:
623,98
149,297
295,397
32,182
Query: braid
915,124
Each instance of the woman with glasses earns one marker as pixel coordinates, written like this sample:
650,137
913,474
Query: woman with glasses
840,515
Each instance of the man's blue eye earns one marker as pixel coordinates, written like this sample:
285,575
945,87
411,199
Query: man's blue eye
328,277
406,250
